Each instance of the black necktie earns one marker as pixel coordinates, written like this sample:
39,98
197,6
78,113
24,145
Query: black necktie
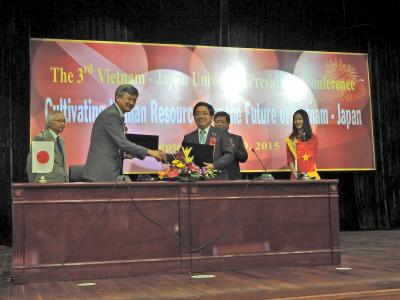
60,147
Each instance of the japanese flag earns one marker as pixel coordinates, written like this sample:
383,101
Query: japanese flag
42,156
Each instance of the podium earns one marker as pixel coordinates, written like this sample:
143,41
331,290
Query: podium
75,231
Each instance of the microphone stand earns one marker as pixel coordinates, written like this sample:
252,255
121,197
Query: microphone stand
266,175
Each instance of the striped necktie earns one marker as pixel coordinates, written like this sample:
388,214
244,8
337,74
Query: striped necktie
123,124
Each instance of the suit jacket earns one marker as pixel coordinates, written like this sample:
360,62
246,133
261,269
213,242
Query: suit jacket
107,141
239,156
223,152
59,172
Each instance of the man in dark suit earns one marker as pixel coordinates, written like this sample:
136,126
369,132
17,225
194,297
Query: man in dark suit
222,120
108,139
55,124
207,134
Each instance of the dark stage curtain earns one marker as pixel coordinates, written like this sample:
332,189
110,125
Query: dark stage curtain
5,132
368,200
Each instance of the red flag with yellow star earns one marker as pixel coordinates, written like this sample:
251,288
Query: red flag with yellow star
306,156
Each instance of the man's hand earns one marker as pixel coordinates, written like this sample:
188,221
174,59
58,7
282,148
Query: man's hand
208,166
164,155
157,154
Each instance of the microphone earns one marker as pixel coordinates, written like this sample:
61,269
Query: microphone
259,160
266,175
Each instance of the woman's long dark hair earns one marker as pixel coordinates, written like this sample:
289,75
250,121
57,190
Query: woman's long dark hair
306,126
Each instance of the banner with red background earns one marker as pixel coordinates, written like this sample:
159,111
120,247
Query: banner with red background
259,88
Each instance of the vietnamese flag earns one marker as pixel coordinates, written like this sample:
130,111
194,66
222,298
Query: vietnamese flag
306,156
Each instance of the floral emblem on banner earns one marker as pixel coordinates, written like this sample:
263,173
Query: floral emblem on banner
337,70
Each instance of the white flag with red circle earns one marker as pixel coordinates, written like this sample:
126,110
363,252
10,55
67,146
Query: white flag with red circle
42,156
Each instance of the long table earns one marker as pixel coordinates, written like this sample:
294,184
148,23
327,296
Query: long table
77,231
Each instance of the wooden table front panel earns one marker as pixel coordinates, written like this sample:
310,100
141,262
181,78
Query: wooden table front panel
93,230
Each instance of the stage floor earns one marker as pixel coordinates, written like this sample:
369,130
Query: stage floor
370,269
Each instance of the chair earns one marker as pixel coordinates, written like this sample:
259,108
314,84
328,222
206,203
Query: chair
76,173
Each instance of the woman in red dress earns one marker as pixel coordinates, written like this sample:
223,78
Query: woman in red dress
302,147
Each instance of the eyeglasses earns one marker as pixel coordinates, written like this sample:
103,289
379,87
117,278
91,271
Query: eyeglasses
61,121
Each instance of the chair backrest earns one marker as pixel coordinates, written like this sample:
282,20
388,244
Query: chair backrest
76,173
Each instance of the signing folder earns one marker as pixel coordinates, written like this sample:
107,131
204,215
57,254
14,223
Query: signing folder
202,153
144,140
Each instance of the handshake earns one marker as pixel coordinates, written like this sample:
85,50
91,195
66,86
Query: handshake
157,154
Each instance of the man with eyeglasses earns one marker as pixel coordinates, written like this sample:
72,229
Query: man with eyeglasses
55,124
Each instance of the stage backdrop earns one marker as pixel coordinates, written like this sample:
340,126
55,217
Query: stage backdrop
259,88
